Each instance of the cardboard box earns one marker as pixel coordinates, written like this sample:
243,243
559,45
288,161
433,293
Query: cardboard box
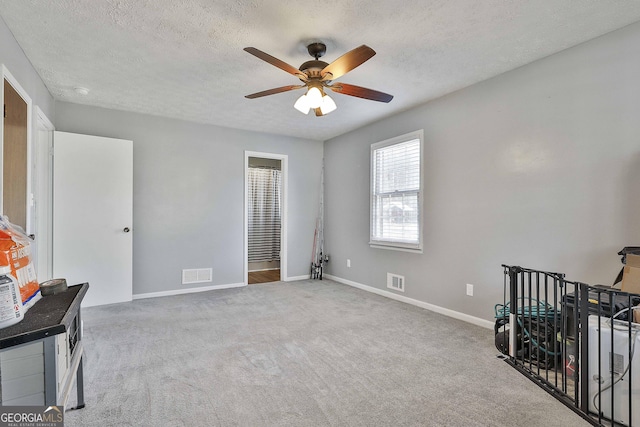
631,274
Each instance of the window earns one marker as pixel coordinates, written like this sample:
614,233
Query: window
396,193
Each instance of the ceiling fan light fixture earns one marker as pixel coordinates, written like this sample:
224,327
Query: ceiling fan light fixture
302,104
314,95
328,105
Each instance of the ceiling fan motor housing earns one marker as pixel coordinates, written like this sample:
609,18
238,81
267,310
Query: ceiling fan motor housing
312,68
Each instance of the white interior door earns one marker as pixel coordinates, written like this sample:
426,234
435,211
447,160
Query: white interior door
92,215
43,184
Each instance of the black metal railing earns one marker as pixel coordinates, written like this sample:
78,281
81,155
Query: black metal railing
574,340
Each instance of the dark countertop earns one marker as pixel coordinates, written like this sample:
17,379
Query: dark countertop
51,315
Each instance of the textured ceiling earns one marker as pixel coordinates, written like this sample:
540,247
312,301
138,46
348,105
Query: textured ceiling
184,58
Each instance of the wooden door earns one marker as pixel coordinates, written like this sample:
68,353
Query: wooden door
14,168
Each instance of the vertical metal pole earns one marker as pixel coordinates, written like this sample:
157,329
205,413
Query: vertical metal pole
574,331
80,385
513,309
546,326
79,374
555,318
528,323
525,343
599,358
582,346
502,317
537,314
630,355
611,352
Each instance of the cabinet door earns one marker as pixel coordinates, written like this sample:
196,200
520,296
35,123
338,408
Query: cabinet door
22,375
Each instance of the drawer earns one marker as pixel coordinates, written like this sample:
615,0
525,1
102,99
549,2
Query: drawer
21,387
18,368
21,351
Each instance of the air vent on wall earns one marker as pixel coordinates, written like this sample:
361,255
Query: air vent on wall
395,282
197,275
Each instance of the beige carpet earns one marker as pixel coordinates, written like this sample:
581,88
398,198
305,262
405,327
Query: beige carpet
308,353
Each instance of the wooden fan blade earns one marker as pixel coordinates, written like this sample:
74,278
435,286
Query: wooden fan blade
347,62
318,112
274,91
361,92
276,62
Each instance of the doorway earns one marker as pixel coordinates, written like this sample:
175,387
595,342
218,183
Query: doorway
15,152
265,217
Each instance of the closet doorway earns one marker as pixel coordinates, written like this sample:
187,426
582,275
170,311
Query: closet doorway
265,219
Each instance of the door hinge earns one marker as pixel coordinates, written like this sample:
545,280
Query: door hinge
5,111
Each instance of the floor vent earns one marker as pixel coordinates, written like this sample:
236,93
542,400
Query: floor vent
395,282
197,275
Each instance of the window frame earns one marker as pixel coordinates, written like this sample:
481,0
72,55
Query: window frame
374,241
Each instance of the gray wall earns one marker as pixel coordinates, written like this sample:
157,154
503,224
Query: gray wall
538,167
188,196
12,57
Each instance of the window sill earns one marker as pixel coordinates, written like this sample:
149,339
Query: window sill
395,247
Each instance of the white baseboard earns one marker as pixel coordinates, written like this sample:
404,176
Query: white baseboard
437,309
294,278
187,291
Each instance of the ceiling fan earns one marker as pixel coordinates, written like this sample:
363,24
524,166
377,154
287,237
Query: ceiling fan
317,76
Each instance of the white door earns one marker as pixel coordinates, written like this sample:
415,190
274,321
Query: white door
92,215
43,184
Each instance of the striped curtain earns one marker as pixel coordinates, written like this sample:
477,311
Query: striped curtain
264,214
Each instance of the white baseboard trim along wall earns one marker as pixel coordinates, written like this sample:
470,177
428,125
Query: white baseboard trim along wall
437,309
204,289
186,291
293,279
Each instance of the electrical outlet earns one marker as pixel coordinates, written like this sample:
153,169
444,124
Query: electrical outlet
348,263
469,289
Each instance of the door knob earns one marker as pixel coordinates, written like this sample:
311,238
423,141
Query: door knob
126,229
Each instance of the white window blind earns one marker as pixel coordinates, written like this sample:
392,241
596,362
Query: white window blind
396,184
264,214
